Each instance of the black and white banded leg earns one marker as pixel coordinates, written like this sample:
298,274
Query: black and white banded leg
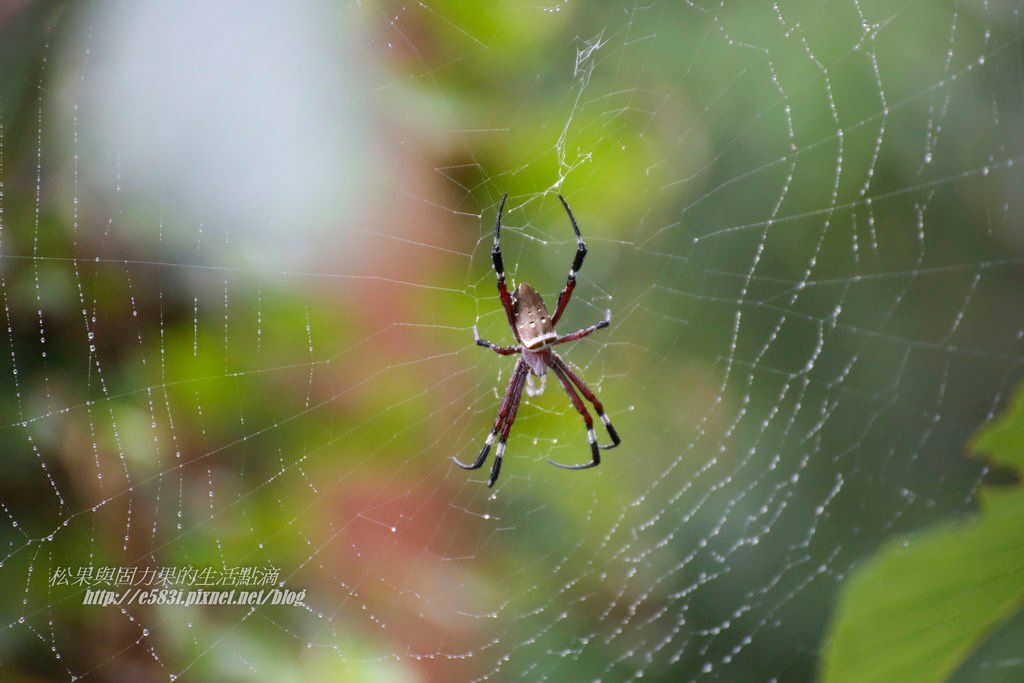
577,263
503,350
499,270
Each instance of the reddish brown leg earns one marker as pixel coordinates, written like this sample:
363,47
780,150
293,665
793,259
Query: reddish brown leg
514,408
595,455
512,395
586,331
589,395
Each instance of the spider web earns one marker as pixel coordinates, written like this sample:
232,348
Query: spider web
243,253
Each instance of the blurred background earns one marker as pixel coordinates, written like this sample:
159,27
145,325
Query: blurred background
242,251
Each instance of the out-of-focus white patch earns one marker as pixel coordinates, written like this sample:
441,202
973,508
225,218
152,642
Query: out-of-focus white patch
244,120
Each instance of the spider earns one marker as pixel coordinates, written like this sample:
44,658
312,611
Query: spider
534,330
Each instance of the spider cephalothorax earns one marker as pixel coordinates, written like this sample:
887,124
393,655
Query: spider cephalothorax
534,330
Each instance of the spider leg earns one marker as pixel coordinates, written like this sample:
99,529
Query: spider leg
586,331
499,271
570,282
578,404
589,395
503,350
514,386
513,409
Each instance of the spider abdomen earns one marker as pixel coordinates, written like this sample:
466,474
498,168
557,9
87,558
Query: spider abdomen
532,319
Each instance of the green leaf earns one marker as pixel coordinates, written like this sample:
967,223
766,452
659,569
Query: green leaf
1003,439
925,603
